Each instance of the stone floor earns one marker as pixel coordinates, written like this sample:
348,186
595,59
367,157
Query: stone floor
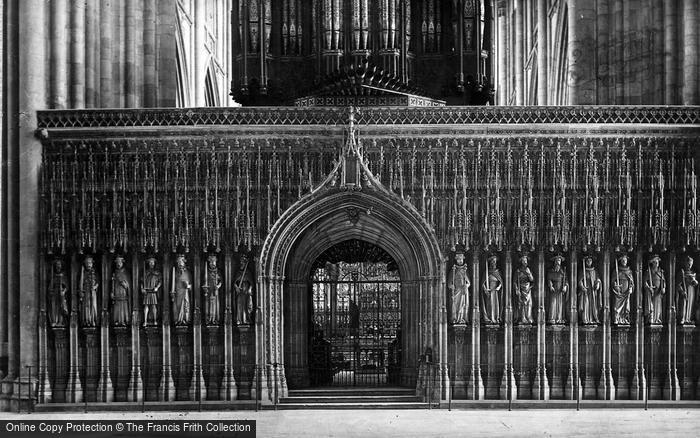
619,423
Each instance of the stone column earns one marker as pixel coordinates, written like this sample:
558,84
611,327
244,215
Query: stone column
657,12
198,390
107,17
44,390
105,389
77,58
135,390
75,388
671,390
9,222
149,53
200,52
167,386
228,389
691,54
540,387
542,52
606,385
581,32
519,54
131,33
166,62
604,78
475,381
617,55
639,384
573,381
502,54
671,52
59,53
92,39
32,97
509,389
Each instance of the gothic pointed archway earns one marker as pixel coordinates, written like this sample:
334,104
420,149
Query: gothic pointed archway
350,204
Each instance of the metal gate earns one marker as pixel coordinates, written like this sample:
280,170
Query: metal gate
356,325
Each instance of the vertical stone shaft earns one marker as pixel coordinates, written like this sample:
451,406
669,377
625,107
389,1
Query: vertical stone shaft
135,389
542,52
59,54
519,54
149,54
617,55
604,82
77,55
502,55
91,44
167,387
105,35
658,53
671,52
130,49
32,97
200,52
691,55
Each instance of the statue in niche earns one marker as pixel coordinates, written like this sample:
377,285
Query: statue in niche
120,293
180,291
522,288
211,286
558,287
458,283
243,286
89,282
57,300
150,287
492,288
589,293
622,288
687,292
654,291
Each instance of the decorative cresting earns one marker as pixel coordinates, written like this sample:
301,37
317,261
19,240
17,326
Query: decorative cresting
105,118
351,185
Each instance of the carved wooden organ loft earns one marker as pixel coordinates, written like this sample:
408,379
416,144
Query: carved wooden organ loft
574,181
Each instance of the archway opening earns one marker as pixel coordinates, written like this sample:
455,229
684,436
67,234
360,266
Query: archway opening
355,336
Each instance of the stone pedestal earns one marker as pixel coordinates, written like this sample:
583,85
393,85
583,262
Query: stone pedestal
686,351
590,359
653,365
557,361
91,364
245,362
213,361
525,359
121,366
463,373
152,361
622,361
182,363
59,367
493,359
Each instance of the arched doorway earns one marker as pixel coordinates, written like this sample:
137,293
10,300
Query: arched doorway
355,324
351,204
300,237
